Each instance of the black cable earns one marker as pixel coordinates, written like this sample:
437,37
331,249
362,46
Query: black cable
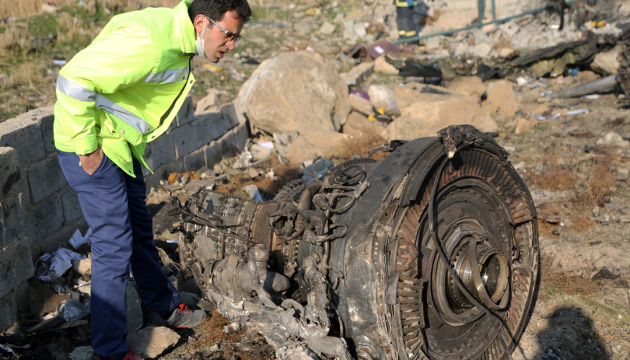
450,268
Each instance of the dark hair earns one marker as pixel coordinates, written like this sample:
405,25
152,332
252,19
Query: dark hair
215,9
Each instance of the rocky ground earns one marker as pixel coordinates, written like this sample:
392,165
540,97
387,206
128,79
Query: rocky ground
574,155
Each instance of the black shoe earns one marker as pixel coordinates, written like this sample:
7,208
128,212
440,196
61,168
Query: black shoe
131,355
181,317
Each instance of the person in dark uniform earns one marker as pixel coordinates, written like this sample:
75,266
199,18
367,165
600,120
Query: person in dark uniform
410,17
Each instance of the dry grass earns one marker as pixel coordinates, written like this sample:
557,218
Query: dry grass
590,182
554,282
13,38
361,145
24,8
239,344
587,180
284,172
20,8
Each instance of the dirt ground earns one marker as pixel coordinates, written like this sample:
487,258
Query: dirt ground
581,193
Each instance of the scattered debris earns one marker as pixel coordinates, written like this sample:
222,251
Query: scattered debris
51,266
77,239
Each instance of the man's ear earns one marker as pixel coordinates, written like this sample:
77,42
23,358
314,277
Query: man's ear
199,22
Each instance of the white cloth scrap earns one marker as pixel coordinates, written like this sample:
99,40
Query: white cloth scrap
51,266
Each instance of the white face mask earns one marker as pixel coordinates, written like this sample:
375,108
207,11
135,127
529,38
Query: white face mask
199,42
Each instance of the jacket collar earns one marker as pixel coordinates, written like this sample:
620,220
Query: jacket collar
184,29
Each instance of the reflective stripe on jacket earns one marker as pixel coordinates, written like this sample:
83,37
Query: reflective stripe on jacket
405,3
125,88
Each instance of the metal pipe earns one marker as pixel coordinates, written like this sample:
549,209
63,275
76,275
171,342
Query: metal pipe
481,9
494,10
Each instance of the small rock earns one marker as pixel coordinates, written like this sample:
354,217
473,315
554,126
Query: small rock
606,63
83,266
613,139
467,85
383,67
501,99
483,50
153,341
360,29
325,143
359,126
260,152
360,104
327,28
209,102
505,52
384,97
81,353
525,124
252,172
604,273
358,74
252,191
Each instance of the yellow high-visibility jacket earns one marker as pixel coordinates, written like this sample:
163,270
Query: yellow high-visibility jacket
125,88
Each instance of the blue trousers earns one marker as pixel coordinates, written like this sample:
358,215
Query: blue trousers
114,206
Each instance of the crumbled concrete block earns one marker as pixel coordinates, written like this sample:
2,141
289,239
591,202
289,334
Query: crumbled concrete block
8,313
46,125
11,224
358,73
45,178
231,144
186,113
71,207
15,260
9,171
206,127
160,151
48,215
25,136
195,160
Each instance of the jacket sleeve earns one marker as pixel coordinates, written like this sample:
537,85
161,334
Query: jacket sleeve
114,60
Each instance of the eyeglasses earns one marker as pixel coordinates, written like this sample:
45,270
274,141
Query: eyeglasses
230,36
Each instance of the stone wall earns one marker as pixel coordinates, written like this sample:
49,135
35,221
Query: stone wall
38,210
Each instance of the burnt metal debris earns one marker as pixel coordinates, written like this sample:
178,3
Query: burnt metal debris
430,253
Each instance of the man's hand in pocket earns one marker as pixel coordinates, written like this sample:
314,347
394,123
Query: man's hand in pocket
90,162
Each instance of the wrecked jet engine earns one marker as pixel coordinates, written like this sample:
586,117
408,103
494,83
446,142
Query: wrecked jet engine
430,253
